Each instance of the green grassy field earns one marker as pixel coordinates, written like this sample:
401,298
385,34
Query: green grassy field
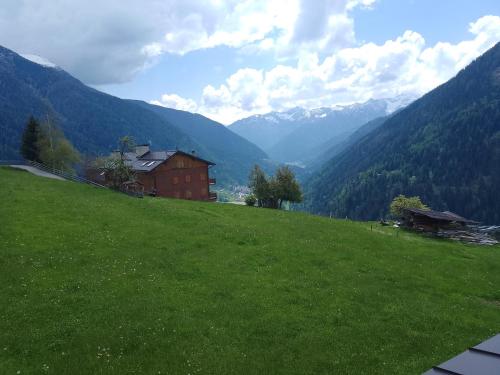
95,282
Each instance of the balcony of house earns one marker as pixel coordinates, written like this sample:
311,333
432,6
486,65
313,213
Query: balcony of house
212,196
211,181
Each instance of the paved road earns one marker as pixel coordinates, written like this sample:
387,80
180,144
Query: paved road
37,171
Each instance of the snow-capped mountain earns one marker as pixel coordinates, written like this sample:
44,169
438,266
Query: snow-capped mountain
299,134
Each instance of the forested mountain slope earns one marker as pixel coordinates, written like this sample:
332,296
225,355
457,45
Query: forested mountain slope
444,147
236,155
335,148
93,121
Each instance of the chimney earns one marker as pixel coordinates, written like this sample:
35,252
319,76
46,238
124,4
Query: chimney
141,150
193,152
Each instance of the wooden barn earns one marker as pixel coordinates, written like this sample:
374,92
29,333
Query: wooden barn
433,221
174,174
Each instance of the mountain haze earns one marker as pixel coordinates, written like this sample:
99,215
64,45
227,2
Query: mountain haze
445,147
299,135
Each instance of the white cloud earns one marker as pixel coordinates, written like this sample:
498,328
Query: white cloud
401,66
363,3
110,41
176,102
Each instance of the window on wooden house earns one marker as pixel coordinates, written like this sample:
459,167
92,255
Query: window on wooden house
180,163
175,180
203,177
188,194
188,178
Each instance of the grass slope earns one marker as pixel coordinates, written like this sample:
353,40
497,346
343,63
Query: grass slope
94,282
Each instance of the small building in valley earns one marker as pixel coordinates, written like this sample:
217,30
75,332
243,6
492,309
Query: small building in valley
174,174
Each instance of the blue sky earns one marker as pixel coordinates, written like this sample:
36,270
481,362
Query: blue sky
435,20
229,59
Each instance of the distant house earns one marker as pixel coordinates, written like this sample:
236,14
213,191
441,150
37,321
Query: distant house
432,221
174,174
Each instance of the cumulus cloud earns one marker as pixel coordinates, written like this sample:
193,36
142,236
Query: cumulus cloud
110,41
405,65
176,102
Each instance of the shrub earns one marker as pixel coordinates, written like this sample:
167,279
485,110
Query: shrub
250,200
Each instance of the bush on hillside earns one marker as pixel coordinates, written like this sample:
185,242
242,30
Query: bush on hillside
250,200
401,202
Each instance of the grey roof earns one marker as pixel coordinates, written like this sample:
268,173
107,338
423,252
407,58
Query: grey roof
437,215
482,359
151,159
157,155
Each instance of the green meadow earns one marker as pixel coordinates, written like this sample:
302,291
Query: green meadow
96,282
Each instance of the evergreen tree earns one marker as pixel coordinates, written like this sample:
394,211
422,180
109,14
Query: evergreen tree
29,142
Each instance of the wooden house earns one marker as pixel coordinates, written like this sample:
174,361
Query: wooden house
174,174
433,221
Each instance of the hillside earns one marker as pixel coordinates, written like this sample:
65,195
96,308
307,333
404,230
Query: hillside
92,281
444,147
299,135
238,154
335,148
94,121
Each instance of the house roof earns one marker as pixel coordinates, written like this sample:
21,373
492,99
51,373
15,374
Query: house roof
152,159
437,215
482,359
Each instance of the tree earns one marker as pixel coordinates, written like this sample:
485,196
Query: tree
125,144
56,151
272,192
259,185
288,189
402,202
29,142
250,200
115,167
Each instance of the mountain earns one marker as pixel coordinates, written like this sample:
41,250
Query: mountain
266,130
299,135
239,155
319,128
93,121
445,148
335,147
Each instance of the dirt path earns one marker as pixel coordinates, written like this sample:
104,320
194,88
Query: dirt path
37,172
